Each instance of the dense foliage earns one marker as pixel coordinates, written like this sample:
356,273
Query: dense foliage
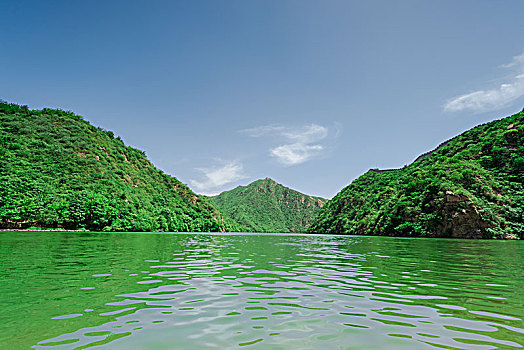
266,206
471,186
57,170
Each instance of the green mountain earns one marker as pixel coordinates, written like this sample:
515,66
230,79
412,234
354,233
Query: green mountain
469,187
266,206
57,170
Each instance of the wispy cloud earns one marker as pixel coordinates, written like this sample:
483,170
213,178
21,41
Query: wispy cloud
300,144
495,98
295,153
214,178
263,130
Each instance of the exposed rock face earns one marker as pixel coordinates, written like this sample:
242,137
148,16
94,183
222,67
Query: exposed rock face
460,218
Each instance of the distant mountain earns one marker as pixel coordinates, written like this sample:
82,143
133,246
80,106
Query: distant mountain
469,187
57,170
266,206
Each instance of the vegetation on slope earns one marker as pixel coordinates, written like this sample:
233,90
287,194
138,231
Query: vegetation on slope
471,186
57,170
266,206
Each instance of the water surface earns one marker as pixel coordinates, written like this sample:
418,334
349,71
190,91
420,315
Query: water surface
192,291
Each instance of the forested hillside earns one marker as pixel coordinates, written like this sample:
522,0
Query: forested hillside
57,170
469,187
267,206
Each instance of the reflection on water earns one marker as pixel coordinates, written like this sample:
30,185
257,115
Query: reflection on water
186,291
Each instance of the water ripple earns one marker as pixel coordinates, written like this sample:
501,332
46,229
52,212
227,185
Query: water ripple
151,291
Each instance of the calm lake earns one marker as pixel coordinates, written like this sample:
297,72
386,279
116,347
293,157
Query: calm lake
222,291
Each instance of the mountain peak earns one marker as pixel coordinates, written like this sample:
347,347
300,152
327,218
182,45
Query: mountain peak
265,180
267,206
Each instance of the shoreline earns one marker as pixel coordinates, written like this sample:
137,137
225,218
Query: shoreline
268,233
46,230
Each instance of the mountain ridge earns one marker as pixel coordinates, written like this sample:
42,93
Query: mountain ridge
267,206
470,186
59,171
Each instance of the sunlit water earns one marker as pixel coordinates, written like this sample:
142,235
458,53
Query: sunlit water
192,291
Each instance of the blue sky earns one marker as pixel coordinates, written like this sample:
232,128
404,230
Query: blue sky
309,93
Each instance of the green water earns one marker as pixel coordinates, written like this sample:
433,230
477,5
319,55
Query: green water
190,291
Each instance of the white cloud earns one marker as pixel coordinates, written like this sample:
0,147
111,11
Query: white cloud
217,177
301,144
295,153
516,61
308,134
263,130
492,99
